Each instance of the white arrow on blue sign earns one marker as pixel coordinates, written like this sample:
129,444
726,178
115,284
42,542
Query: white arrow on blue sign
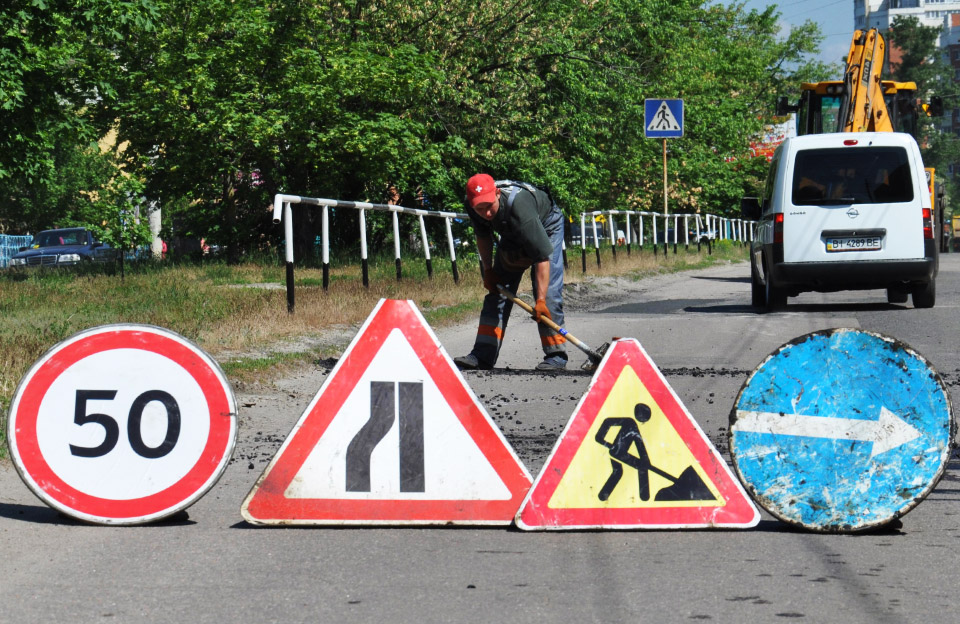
841,430
663,119
887,432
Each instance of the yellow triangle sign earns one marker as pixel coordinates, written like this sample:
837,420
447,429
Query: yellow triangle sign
631,456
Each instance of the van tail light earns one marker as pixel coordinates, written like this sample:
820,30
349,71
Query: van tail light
778,228
927,224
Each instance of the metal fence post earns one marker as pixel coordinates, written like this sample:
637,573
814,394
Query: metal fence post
426,246
596,239
363,248
325,249
583,242
453,253
288,234
396,243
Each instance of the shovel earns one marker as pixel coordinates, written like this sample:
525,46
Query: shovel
594,356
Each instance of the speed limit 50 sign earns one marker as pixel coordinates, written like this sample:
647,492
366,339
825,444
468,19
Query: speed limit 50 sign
122,424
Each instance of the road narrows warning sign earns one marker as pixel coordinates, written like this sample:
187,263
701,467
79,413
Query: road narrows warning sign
394,436
631,456
122,424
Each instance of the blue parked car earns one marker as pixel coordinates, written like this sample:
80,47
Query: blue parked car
64,247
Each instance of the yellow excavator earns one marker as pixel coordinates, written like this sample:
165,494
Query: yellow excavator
862,102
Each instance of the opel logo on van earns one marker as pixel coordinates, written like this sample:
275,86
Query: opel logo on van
853,213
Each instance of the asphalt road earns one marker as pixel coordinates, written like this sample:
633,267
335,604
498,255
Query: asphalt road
208,565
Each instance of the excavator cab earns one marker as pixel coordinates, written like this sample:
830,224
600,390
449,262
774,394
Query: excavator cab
822,106
861,102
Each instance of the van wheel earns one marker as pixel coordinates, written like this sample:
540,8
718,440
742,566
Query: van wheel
776,298
758,296
925,296
897,296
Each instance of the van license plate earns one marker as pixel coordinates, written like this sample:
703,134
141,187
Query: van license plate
854,243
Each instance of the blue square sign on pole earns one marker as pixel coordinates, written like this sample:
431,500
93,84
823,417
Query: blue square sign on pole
663,119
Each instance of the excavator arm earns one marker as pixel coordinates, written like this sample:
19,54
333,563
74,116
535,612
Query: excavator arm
864,109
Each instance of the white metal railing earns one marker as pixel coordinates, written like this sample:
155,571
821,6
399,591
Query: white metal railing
705,227
282,208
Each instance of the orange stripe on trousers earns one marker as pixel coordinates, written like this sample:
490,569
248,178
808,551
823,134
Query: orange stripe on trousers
552,341
490,330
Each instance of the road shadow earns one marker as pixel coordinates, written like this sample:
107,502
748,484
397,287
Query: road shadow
733,280
244,525
679,306
727,308
892,528
659,306
843,307
573,371
809,308
40,514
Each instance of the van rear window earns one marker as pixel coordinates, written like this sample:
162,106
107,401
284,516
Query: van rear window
863,175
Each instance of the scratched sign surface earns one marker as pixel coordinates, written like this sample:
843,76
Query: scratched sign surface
841,431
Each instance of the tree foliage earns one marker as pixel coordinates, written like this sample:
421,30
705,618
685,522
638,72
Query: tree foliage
55,62
220,105
922,61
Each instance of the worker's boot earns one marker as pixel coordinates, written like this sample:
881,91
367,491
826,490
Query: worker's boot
470,362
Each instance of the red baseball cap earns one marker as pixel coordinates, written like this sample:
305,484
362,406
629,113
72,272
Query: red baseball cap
481,190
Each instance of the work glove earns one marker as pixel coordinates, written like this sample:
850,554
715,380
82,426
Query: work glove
490,281
540,310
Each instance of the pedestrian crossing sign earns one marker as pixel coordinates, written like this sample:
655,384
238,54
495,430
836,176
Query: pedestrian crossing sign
632,456
663,119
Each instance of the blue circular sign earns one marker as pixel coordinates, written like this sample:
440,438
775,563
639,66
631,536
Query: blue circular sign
841,431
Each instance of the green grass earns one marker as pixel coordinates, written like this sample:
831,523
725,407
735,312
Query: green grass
247,368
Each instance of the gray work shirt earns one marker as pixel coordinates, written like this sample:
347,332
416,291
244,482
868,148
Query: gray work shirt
520,225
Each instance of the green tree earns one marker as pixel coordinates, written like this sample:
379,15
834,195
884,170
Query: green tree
117,214
228,102
55,61
75,180
231,102
923,61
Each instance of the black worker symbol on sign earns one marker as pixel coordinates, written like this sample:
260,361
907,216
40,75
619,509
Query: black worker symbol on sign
688,486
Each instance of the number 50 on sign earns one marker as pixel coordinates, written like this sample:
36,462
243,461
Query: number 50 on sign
122,424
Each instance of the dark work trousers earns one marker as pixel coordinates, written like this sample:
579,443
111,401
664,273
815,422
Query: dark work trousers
496,309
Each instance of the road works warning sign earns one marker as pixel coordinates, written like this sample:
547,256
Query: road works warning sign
394,436
631,456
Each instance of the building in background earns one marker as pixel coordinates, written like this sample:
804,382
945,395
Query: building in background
880,14
944,14
950,42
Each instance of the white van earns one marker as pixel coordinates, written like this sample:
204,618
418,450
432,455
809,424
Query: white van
844,211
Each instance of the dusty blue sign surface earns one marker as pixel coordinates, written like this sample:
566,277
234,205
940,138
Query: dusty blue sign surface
841,430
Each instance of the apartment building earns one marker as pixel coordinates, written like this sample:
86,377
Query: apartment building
944,14
881,13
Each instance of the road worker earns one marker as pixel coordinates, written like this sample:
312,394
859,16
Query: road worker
530,229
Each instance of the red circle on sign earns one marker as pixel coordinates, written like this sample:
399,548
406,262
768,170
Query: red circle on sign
56,491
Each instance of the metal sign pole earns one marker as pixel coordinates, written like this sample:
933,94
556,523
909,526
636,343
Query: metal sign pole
664,177
663,119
